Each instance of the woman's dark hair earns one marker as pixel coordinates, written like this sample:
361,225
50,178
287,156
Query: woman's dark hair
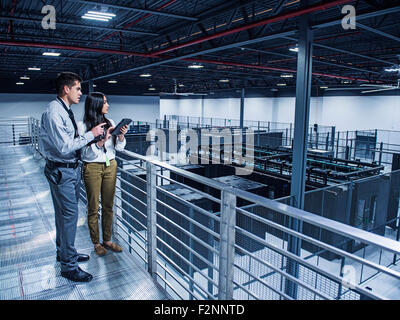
93,115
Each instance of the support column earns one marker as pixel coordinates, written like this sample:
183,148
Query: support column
90,90
151,184
241,108
303,93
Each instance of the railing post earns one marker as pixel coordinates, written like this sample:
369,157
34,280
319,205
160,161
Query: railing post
115,210
227,245
337,145
13,133
151,179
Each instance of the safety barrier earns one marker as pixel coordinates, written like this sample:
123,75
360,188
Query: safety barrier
201,239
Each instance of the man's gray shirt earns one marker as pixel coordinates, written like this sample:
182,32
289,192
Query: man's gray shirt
56,140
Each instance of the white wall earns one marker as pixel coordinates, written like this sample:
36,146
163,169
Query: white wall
135,107
343,112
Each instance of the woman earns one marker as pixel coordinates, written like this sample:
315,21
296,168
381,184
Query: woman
100,170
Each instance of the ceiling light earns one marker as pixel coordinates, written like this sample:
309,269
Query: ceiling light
112,81
95,18
34,69
94,86
195,66
324,87
100,16
286,76
24,78
274,89
181,85
295,49
19,83
145,75
152,89
224,80
393,69
106,14
51,54
281,84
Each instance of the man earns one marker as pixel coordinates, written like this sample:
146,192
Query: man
60,144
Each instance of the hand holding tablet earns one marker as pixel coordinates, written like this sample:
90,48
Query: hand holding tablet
123,122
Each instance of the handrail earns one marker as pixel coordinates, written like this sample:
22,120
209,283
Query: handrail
223,241
322,222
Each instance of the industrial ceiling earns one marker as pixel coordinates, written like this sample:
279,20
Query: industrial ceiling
150,47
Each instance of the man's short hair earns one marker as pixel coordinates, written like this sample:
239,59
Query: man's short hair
66,79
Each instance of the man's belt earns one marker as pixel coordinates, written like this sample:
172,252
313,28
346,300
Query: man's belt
53,164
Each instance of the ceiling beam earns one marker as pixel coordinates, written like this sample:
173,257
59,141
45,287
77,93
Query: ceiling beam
346,52
80,26
155,12
381,33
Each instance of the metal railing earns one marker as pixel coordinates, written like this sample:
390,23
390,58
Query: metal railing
202,245
201,239
339,144
15,131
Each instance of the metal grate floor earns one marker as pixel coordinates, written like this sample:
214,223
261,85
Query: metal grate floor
28,267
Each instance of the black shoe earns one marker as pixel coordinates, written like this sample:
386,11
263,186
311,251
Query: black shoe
81,257
77,275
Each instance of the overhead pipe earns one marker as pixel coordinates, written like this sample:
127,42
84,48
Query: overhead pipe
63,47
129,25
280,17
138,20
272,69
107,51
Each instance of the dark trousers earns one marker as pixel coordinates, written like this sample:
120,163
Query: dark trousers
64,187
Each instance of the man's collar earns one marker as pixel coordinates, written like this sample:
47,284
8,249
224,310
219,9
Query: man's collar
65,102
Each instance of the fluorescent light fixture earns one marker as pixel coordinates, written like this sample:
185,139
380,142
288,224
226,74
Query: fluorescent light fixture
195,66
94,86
392,69
152,89
145,75
24,78
181,85
281,84
99,16
51,54
224,80
274,89
95,18
106,14
324,87
112,81
286,76
296,49
19,83
34,69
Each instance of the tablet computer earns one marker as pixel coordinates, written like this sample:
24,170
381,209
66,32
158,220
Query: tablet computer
117,129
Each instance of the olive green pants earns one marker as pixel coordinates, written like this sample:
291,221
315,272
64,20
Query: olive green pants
100,180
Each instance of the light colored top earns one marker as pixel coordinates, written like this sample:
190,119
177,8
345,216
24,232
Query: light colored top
93,153
57,140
